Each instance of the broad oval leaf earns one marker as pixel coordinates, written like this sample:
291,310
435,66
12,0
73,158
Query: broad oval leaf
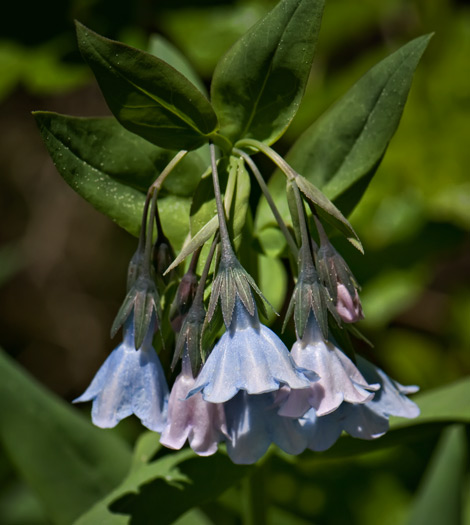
99,160
342,150
258,84
69,463
147,95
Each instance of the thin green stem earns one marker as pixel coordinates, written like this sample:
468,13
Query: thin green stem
149,236
269,152
224,235
156,186
264,188
199,297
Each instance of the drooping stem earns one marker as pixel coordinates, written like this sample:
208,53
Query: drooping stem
143,227
264,188
149,236
199,297
146,231
227,250
290,173
156,186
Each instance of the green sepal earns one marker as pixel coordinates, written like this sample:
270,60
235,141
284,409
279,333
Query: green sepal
210,330
189,338
144,300
309,295
148,96
232,281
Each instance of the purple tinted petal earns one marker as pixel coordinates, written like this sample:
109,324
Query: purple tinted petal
202,423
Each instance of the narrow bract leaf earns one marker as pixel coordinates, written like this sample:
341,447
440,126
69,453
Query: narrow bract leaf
147,95
258,85
328,211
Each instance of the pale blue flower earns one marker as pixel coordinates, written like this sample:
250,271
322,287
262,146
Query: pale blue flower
340,380
365,421
253,424
129,382
249,357
391,399
198,421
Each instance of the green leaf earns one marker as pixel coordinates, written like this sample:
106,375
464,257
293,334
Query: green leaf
166,489
163,49
147,95
68,463
342,150
258,84
328,211
107,166
439,497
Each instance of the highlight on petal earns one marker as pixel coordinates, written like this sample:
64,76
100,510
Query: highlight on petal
129,382
253,424
199,422
340,380
249,357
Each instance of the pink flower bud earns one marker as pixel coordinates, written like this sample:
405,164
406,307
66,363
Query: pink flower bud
348,308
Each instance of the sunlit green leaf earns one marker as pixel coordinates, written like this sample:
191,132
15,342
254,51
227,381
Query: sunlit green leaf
341,151
258,84
146,95
99,159
67,462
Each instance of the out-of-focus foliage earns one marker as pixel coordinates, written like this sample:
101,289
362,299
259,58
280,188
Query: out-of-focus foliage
414,221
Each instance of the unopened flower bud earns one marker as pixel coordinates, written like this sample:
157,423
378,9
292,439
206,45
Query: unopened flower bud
348,307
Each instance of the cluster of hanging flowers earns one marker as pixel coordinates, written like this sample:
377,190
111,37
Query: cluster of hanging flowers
247,390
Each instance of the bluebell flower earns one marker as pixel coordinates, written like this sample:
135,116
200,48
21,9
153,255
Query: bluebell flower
253,424
365,421
391,399
198,421
129,382
249,357
340,380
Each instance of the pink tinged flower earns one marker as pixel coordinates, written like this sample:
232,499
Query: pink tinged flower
199,422
348,307
249,357
129,382
340,380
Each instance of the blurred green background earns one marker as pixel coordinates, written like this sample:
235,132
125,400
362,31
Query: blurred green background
63,265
